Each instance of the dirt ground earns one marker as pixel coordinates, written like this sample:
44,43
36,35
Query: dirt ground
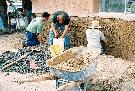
112,74
8,83
11,42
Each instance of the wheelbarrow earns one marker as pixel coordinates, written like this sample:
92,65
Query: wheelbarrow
72,73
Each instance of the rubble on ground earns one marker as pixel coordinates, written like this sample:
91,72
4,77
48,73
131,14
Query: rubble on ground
23,66
112,74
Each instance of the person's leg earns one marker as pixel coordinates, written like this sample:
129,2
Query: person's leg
35,40
67,41
4,16
26,39
5,19
31,39
1,24
51,36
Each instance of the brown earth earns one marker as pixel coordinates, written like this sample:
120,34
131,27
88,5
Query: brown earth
113,74
11,42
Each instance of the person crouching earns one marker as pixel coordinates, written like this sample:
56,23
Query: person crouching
34,28
95,37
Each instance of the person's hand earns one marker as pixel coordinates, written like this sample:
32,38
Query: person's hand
56,35
61,37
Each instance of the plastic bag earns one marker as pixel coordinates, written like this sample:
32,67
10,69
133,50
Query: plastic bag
57,47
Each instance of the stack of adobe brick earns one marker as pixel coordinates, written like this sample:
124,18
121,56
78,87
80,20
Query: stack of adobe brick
120,35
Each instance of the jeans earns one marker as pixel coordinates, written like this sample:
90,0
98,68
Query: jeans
1,24
4,16
31,39
66,39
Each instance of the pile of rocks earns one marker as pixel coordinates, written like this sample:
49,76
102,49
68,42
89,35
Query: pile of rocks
23,66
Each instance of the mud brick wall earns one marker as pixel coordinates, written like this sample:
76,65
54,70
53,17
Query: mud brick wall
120,35
77,30
72,7
45,34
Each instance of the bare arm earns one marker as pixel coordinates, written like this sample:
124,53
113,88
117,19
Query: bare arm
39,36
53,29
65,31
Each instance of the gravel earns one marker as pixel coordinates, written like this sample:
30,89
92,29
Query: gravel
23,66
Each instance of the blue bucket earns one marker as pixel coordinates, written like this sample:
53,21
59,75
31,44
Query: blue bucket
1,24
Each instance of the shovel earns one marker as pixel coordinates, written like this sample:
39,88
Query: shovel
21,57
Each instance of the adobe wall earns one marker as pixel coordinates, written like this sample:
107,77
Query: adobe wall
120,35
72,7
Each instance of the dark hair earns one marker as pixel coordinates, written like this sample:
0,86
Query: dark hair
45,14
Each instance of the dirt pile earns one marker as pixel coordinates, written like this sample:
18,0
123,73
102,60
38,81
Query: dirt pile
74,59
113,74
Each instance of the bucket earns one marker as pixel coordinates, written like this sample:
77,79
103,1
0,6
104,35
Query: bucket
57,47
1,24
